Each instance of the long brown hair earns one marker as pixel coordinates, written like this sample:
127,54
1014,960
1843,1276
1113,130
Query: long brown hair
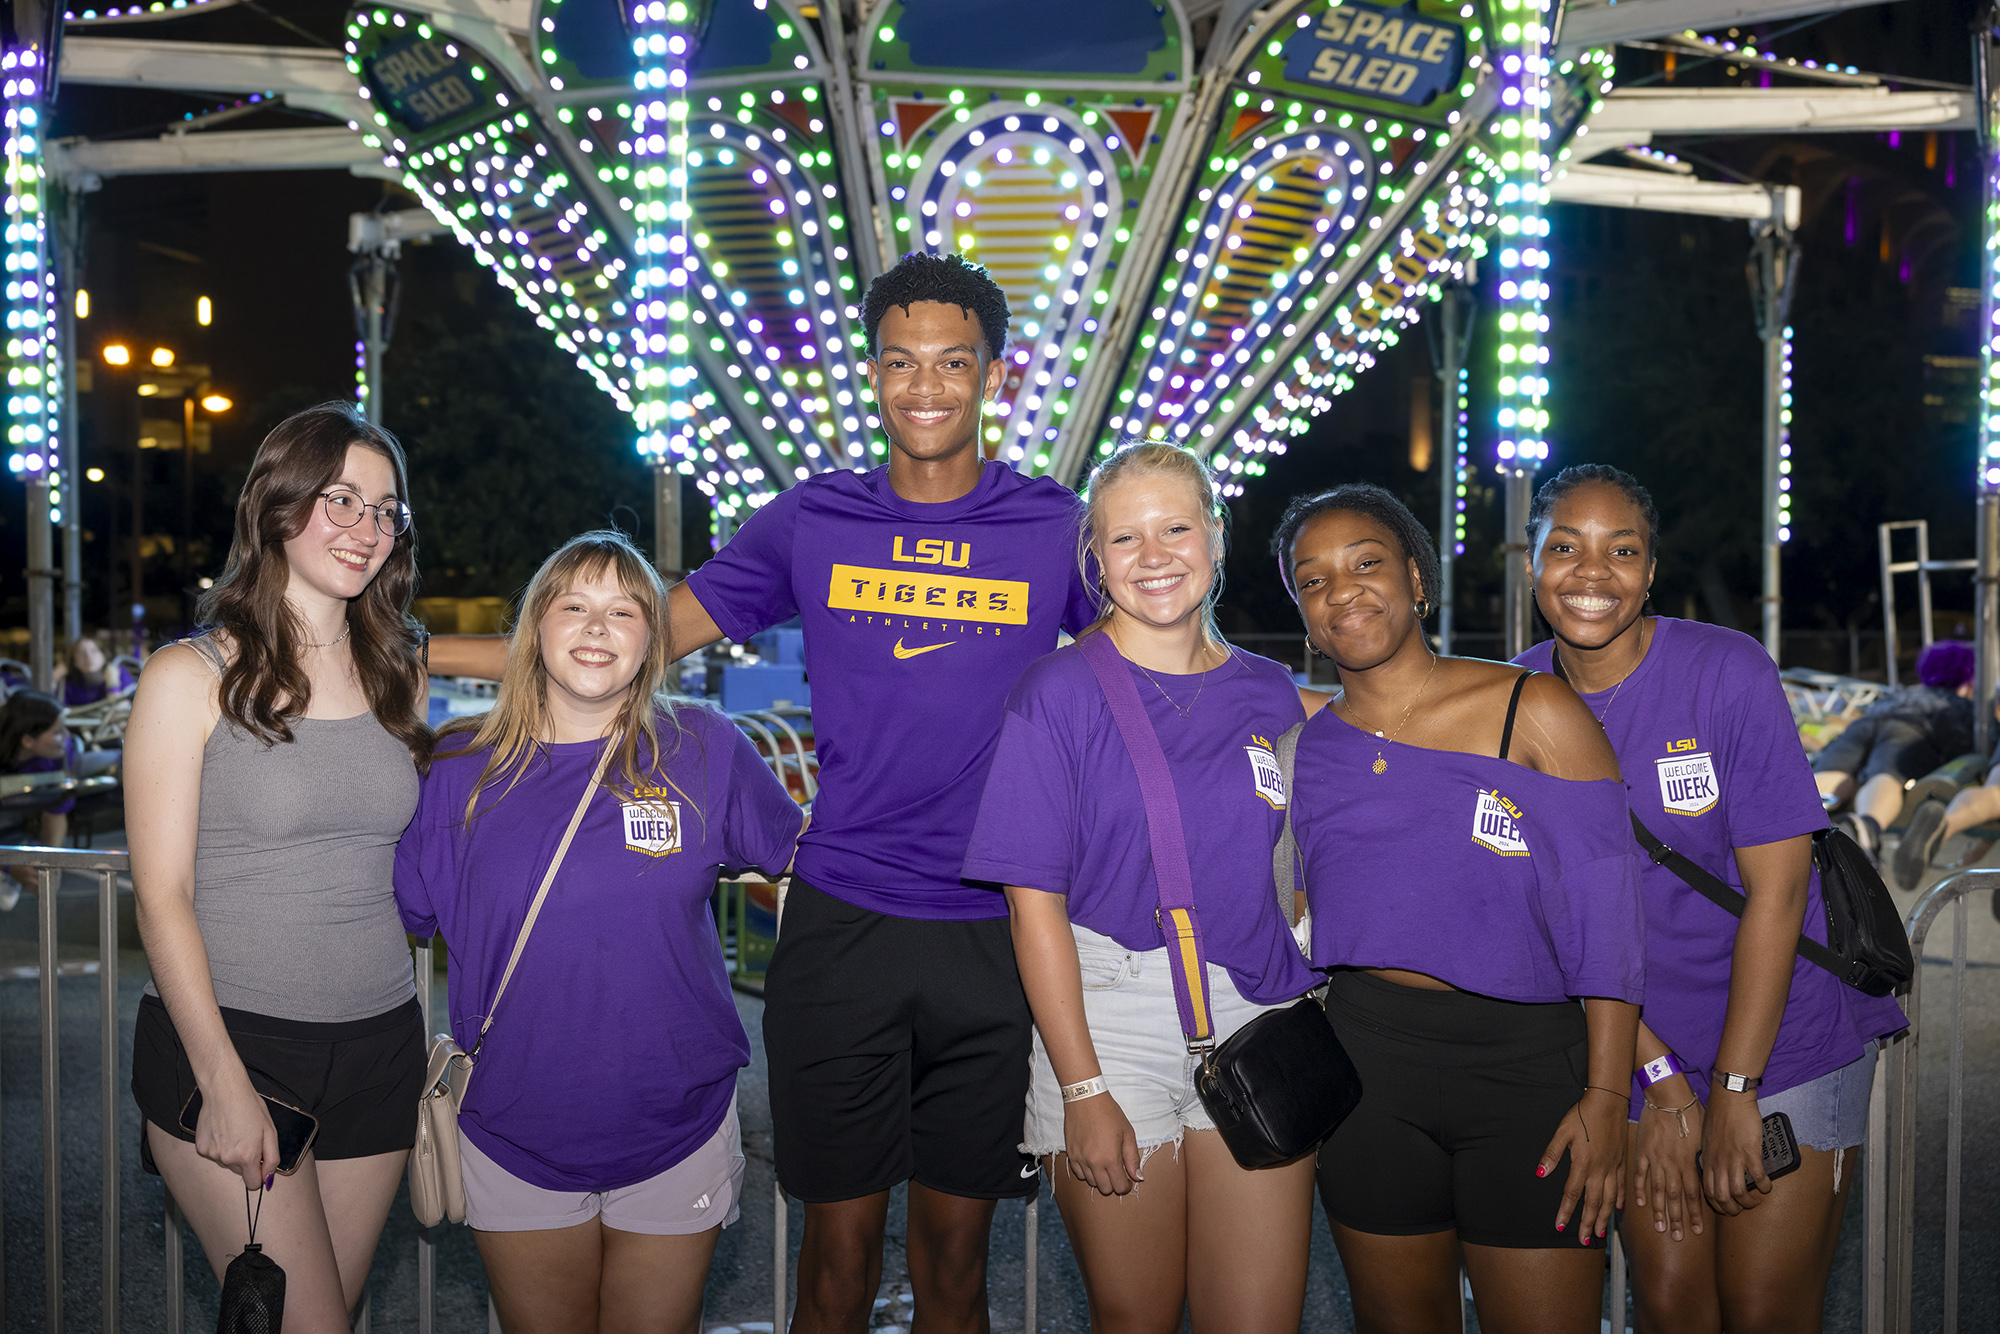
265,687
512,732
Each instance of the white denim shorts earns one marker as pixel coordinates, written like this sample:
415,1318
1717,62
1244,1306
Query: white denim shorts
1128,1001
697,1193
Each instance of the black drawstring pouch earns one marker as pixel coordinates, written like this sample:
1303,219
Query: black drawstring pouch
253,1287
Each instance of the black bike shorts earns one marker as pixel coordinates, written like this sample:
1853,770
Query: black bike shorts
1460,1094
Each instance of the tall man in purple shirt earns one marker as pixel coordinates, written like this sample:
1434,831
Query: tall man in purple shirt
894,1021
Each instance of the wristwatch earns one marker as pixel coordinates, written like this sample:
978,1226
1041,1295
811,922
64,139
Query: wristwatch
1660,1068
1736,1083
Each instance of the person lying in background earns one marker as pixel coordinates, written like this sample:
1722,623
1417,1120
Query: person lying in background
1903,736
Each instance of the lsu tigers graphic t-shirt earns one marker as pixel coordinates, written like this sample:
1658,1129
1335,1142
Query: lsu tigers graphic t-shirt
1062,811
1478,871
918,620
1712,763
624,970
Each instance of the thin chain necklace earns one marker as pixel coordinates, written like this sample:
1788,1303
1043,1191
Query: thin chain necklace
1182,709
332,642
1555,657
1381,765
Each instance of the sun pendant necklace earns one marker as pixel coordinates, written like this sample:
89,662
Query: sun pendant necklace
1381,764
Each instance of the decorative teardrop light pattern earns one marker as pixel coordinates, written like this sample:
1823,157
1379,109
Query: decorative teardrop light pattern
690,195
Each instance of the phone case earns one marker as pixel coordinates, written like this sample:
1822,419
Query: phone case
1781,1146
296,1129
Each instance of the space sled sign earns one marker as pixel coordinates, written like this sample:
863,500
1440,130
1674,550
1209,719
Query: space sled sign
1390,53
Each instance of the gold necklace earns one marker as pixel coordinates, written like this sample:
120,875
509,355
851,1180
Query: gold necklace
1182,710
1381,765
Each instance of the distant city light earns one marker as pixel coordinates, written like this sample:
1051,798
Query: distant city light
163,357
148,390
95,474
82,303
204,312
118,355
217,403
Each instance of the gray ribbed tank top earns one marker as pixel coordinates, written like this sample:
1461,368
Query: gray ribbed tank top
293,867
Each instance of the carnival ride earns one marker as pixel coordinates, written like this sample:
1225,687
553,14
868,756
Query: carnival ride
1209,216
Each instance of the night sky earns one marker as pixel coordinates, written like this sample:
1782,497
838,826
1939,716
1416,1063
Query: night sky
1656,365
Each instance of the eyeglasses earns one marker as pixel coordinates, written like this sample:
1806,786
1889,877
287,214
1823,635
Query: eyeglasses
344,510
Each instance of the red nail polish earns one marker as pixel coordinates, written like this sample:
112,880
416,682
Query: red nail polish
1541,1171
1560,1226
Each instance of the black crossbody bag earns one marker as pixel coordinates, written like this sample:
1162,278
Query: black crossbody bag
1867,947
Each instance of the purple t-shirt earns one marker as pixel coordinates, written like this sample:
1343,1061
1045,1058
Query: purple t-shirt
1062,811
624,970
1478,871
1712,762
918,620
36,764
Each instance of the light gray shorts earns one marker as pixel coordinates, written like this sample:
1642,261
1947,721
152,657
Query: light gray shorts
697,1193
1128,1001
1830,1112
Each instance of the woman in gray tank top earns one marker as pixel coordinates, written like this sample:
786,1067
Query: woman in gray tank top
269,773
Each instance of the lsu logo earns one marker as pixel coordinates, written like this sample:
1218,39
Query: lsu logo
1678,747
1265,774
1496,825
652,825
1688,785
933,551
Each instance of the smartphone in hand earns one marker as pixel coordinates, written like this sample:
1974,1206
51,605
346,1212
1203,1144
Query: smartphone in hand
296,1129
1781,1147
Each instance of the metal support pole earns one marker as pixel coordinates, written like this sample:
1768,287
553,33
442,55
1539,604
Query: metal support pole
1520,615
47,881
187,503
372,284
69,241
41,585
781,1246
109,1089
1773,273
1031,1260
1451,336
667,520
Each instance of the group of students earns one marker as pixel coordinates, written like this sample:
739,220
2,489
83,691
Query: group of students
970,987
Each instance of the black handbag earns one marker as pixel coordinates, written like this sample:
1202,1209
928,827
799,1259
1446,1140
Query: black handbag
1866,945
1282,1083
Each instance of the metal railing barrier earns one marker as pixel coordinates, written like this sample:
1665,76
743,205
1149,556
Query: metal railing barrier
49,865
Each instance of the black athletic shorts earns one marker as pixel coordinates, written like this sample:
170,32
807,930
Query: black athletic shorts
360,1079
898,1050
1459,1096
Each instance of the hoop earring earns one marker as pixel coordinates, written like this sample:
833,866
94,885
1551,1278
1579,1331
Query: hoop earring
1423,609
1313,648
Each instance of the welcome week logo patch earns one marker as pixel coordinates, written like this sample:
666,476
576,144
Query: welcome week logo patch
1688,785
1264,772
652,824
1496,825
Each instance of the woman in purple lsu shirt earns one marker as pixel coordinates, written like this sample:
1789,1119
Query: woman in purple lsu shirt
598,1136
1468,860
1161,1214
1715,770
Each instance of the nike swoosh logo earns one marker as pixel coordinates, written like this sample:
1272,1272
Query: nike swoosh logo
1029,1170
902,652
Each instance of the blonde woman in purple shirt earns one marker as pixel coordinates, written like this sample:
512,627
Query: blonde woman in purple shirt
1715,770
598,1135
1162,1217
1467,856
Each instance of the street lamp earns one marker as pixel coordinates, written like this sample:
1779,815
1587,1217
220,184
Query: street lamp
117,354
163,357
